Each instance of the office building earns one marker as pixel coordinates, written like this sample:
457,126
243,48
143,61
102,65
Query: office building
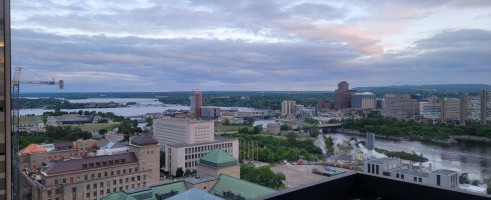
177,131
288,108
5,111
324,104
395,169
400,106
365,100
486,106
342,96
196,103
371,141
210,112
185,141
94,177
470,109
450,110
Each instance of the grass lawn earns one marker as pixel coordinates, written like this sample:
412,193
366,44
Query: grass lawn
231,128
96,127
31,119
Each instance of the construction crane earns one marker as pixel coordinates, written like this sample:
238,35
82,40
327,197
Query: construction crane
16,82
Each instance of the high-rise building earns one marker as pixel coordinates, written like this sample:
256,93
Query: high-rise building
400,106
486,106
288,108
210,112
371,141
365,100
196,103
5,115
470,109
342,96
450,110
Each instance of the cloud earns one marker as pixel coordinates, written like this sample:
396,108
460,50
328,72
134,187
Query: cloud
146,45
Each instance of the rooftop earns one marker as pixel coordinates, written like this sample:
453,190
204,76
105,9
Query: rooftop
151,193
194,194
384,161
198,180
218,158
144,140
444,172
186,120
411,172
240,187
64,166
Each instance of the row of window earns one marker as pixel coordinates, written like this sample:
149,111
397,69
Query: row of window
99,175
207,148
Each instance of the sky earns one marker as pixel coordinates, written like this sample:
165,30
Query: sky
249,45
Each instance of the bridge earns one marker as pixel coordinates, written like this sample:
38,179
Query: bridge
329,127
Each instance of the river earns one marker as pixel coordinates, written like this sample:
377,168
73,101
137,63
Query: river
143,106
465,156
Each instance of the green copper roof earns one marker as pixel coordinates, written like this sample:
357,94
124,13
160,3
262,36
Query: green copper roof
240,187
194,194
118,196
149,194
218,158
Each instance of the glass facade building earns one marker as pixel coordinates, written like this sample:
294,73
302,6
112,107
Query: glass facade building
5,115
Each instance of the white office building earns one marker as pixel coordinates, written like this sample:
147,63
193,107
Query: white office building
185,141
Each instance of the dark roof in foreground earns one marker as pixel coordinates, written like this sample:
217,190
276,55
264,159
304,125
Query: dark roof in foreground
144,140
87,163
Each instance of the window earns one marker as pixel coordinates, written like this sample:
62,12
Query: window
132,178
57,191
108,191
74,189
101,192
127,180
114,189
95,193
415,179
402,176
124,171
373,169
377,169
120,188
119,172
130,170
49,192
438,180
138,178
120,180
420,180
88,187
105,173
71,179
101,184
397,175
368,168
99,175
88,194
92,176
95,185
56,181
114,182
86,177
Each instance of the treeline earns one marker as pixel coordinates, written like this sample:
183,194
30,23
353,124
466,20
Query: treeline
262,175
412,129
273,149
260,100
53,134
403,155
54,103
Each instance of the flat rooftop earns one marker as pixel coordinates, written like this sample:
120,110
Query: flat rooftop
444,172
185,120
383,161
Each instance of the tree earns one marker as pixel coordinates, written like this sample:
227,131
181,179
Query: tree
285,127
179,172
476,182
249,121
329,145
102,131
188,172
489,189
244,130
464,178
313,131
257,129
226,122
149,121
162,159
291,138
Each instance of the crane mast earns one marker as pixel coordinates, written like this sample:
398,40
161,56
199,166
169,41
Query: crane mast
15,101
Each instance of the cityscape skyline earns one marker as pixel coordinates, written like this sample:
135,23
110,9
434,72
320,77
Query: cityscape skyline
144,45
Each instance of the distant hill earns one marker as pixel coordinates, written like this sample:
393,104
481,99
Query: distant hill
424,89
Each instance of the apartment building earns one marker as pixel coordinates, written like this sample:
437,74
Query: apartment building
400,106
